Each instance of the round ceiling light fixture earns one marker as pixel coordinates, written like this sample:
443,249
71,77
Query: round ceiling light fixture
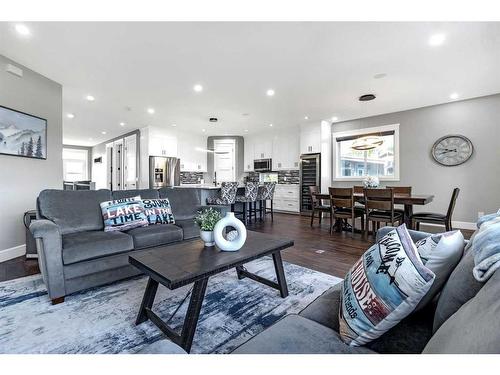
270,92
198,88
366,97
90,98
70,115
213,119
366,143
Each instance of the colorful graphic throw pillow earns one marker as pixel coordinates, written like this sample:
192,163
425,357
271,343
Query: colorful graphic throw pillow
440,253
158,211
382,288
123,214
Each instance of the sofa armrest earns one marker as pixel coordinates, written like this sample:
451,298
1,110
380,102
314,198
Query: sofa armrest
49,247
415,235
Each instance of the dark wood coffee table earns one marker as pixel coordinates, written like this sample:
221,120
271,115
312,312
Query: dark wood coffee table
189,262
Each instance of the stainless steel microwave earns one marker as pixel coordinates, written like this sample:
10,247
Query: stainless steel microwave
262,165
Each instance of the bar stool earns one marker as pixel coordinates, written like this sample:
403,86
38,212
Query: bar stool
249,201
266,192
227,195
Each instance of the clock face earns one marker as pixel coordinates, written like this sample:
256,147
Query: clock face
452,150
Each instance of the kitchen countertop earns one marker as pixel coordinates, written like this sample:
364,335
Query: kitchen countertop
213,187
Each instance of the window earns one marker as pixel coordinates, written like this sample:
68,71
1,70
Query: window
367,152
75,164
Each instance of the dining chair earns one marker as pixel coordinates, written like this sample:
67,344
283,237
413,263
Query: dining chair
249,201
379,204
266,193
436,218
359,189
317,204
227,195
343,207
400,190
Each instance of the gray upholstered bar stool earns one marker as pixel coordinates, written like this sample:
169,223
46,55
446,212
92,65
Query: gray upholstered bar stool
249,201
227,195
266,193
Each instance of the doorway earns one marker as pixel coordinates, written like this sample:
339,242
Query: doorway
224,160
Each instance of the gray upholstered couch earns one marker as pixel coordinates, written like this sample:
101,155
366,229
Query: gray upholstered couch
74,251
463,319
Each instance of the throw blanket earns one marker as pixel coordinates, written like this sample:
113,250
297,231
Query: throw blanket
486,248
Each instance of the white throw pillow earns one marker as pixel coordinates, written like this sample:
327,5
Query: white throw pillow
440,253
382,288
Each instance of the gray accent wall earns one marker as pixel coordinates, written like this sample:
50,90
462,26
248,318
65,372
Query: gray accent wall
478,179
240,163
23,178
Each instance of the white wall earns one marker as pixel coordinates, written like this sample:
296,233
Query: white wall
22,179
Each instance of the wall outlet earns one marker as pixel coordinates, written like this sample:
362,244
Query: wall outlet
480,214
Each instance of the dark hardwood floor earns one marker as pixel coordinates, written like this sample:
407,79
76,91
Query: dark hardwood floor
314,247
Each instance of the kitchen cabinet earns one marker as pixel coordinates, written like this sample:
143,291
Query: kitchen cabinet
192,152
263,148
310,140
286,152
161,145
248,154
286,198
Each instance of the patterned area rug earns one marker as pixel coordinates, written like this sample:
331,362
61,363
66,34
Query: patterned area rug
101,320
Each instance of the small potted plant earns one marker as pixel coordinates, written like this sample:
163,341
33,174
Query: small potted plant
206,220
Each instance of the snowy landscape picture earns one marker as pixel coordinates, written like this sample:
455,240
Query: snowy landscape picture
22,134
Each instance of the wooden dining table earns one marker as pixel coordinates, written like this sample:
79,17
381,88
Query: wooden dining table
408,201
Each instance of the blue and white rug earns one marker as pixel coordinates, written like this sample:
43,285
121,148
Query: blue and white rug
102,319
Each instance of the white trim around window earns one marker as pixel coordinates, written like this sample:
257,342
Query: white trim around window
335,151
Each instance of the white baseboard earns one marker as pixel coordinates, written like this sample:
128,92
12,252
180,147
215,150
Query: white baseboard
12,253
456,225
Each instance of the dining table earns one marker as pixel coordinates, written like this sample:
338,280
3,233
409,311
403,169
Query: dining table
407,200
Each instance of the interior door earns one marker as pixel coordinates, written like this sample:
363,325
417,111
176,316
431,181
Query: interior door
224,160
109,166
117,177
130,162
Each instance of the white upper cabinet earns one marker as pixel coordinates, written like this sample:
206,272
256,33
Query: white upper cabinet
192,152
162,145
286,150
263,147
310,140
248,155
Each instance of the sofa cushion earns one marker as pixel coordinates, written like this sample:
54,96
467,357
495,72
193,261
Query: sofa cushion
382,288
407,337
144,193
73,210
295,334
185,202
123,214
474,328
325,308
82,246
189,228
460,288
155,235
158,211
441,254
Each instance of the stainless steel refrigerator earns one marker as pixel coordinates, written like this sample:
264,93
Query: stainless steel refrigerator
164,172
310,175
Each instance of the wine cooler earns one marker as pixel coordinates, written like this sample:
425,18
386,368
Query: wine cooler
310,175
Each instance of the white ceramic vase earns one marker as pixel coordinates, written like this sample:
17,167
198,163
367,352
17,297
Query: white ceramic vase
236,243
207,236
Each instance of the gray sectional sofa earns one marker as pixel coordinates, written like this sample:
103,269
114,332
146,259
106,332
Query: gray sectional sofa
463,319
74,251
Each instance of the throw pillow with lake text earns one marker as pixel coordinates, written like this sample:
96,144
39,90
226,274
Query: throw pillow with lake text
158,211
382,288
123,214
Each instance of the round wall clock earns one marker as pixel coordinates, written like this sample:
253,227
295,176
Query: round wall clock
452,150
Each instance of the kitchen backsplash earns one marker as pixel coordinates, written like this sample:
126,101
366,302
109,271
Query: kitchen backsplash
191,177
284,177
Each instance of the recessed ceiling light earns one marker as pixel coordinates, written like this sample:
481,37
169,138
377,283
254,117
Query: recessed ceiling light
103,133
203,130
23,29
151,111
270,124
174,125
198,88
270,92
306,117
246,130
122,124
437,39
335,118
454,96
70,115
380,75
90,98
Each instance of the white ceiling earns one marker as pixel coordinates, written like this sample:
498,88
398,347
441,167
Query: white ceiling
317,70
